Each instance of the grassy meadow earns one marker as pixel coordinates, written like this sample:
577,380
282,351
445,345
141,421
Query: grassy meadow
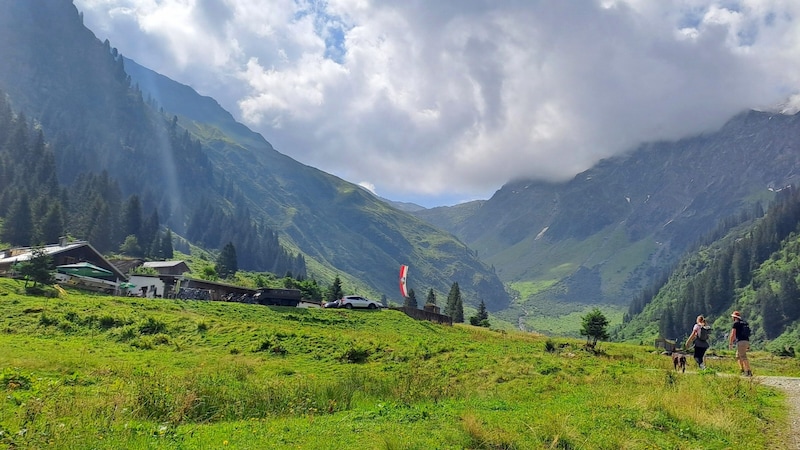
83,371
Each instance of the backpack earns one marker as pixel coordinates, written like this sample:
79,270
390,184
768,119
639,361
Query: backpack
743,334
705,331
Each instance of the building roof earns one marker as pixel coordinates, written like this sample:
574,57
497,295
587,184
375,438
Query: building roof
19,254
158,264
12,256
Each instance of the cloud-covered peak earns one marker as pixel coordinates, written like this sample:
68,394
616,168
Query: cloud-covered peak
451,99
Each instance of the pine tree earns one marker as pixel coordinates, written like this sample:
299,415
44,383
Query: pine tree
411,300
455,305
167,251
227,264
335,292
131,220
18,226
100,229
431,300
481,318
51,227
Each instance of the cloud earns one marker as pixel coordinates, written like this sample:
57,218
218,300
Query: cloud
451,99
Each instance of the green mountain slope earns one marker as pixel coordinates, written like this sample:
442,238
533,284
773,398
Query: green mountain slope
100,118
752,267
602,236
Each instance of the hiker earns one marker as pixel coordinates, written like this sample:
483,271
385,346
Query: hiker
740,335
700,333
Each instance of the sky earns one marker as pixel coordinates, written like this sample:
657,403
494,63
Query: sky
438,102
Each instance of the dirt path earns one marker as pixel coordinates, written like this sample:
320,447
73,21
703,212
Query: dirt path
792,388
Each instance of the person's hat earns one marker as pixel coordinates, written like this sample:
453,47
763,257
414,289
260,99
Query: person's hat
736,315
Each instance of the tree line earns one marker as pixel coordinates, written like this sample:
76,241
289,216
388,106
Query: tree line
37,210
760,262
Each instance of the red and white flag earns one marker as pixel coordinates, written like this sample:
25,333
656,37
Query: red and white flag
403,275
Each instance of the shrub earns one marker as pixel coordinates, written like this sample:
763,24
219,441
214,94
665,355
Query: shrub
152,326
354,354
12,380
47,321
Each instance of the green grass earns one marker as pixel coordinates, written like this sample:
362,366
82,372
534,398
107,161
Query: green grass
87,371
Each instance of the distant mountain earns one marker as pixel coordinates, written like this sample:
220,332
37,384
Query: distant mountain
404,206
605,234
106,113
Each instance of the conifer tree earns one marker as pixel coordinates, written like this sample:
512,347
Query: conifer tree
481,318
131,220
455,305
411,300
335,292
167,251
431,300
227,264
100,227
52,225
18,226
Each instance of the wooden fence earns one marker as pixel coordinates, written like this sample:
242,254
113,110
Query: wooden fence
420,314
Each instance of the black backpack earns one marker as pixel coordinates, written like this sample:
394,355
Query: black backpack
705,331
743,334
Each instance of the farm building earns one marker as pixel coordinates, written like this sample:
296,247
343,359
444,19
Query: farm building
63,254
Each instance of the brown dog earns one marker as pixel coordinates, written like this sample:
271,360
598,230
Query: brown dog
679,361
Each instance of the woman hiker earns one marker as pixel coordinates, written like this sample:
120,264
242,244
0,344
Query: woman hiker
699,335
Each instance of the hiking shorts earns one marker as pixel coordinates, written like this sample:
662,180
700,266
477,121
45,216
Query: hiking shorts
741,350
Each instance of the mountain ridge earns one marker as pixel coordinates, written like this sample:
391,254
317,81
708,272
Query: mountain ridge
629,216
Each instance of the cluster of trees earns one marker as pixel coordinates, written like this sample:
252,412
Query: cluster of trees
454,306
258,246
36,209
760,262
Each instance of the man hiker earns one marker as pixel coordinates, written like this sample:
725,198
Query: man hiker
740,335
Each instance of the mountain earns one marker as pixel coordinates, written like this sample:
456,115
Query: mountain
204,173
750,264
403,206
605,234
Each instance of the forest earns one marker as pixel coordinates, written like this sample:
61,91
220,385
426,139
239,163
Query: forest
751,262
37,209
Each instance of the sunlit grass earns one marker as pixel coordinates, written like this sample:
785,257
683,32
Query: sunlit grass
100,372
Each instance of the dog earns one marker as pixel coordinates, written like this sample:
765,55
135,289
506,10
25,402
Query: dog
679,361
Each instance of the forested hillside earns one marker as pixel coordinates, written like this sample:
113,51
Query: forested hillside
183,165
37,210
751,264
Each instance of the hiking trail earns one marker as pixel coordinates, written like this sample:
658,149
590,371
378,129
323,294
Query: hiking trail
791,386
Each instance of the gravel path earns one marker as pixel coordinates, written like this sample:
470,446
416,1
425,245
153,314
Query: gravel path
792,388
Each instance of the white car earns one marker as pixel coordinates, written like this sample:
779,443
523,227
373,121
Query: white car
356,301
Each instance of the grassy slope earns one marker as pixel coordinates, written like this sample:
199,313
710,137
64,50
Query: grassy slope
106,372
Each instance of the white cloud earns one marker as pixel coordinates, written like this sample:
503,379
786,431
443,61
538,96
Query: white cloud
451,99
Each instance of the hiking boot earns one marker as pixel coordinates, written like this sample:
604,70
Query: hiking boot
702,367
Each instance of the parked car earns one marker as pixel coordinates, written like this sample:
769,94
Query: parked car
356,301
333,304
